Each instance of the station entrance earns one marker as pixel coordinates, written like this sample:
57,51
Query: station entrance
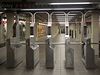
55,40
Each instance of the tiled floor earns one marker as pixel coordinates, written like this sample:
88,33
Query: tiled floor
59,68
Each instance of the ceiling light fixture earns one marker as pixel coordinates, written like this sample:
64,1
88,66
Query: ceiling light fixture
34,9
70,3
55,9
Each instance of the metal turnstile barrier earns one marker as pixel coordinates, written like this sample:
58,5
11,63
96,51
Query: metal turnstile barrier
14,54
69,55
32,54
2,53
49,54
88,54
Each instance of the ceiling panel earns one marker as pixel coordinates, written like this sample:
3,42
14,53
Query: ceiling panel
58,1
10,0
51,1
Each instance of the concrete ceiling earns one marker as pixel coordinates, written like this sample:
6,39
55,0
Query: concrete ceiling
48,1
47,5
44,4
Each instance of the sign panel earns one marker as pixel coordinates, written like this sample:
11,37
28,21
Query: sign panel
41,30
18,5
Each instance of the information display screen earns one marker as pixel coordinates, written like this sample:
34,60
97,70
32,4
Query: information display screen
18,5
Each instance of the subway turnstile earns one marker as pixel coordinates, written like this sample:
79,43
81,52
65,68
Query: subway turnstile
88,54
69,55
32,54
49,54
14,54
2,53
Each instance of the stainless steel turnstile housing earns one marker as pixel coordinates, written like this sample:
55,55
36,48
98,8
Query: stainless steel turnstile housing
69,55
32,54
14,54
49,54
2,53
88,54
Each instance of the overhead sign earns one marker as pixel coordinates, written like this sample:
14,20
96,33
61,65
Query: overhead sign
18,5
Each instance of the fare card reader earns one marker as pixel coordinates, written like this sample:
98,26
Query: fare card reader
32,54
88,54
69,55
49,54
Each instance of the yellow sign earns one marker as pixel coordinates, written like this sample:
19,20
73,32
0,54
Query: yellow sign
41,30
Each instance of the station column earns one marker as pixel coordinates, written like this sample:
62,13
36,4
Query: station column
10,22
95,32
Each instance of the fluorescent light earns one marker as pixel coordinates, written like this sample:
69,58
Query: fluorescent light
69,3
71,8
67,8
35,9
56,9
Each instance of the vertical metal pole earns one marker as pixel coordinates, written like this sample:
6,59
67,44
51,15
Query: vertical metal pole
17,29
82,28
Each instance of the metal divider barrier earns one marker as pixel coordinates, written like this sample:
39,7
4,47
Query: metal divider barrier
69,55
14,54
2,53
49,54
32,54
88,54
